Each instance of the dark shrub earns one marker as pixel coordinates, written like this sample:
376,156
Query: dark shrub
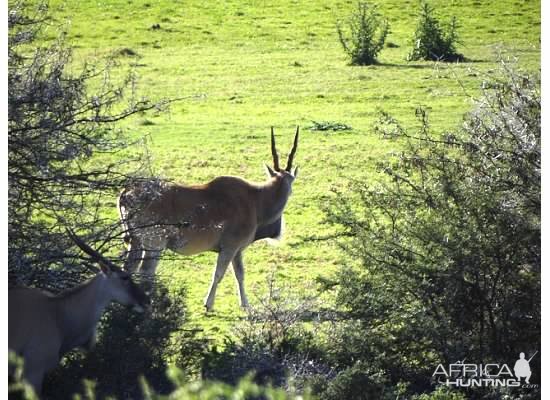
367,35
355,382
431,42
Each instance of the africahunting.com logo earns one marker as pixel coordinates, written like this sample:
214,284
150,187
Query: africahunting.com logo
463,374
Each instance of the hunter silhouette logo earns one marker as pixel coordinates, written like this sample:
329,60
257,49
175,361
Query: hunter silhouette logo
461,374
522,368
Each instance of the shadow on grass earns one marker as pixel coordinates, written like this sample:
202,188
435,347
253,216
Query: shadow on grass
431,64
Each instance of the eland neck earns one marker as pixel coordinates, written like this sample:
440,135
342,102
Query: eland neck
272,199
79,311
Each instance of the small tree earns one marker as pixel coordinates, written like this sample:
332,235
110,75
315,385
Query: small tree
431,42
367,34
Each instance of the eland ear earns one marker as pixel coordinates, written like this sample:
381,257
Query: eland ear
270,171
295,172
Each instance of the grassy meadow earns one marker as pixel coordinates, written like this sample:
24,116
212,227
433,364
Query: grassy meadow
243,66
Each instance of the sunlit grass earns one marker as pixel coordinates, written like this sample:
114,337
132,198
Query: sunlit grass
243,66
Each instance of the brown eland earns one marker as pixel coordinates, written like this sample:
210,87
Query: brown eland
225,215
43,327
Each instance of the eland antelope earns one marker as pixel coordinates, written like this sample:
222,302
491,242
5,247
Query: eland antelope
43,327
225,215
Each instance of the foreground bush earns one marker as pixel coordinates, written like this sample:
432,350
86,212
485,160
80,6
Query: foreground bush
366,35
273,344
245,389
448,241
431,42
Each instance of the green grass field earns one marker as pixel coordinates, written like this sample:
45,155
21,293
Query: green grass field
244,66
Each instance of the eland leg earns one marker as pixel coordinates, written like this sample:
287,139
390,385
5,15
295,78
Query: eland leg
134,255
148,268
150,262
224,258
36,366
238,269
35,379
152,249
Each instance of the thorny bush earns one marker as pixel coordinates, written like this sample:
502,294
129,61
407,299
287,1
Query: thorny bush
449,242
